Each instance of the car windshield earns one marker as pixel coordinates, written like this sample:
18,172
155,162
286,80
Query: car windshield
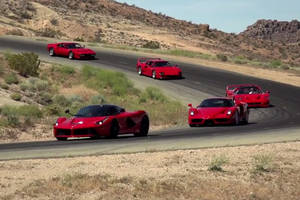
248,90
98,111
216,103
161,64
73,46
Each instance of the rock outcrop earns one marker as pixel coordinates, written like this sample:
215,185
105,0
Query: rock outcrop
277,31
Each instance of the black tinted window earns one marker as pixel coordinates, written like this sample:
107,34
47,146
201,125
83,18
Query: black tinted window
98,111
216,103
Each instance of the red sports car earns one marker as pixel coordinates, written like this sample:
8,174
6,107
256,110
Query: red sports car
70,50
215,111
101,120
253,95
157,68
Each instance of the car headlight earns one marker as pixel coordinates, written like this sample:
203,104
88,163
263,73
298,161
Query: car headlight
229,112
56,123
192,113
101,122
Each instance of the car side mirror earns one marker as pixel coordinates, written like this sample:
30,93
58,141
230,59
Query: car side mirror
267,91
190,105
122,110
67,111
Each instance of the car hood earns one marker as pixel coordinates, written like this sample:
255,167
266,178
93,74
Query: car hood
84,50
211,111
80,121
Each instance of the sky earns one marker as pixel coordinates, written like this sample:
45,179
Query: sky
231,16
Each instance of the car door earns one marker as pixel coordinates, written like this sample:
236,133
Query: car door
147,68
60,49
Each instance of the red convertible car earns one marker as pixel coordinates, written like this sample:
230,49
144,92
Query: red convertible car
101,120
218,111
253,95
157,68
70,50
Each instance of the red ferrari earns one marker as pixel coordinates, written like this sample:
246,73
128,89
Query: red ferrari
70,50
157,68
101,120
253,95
218,111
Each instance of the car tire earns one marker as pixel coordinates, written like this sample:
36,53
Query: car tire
114,129
140,71
61,138
71,55
154,74
236,118
144,129
246,119
51,52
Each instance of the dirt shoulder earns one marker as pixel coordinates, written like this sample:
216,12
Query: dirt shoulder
268,171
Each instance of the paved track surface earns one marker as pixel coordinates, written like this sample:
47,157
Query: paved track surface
284,113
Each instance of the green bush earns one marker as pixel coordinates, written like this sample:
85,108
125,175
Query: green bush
1,70
54,109
276,63
11,79
66,69
152,45
16,96
27,64
222,57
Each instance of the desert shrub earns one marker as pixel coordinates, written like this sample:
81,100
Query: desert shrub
17,32
75,98
262,163
116,81
44,98
10,114
24,86
42,85
30,111
154,94
61,100
66,69
4,86
217,163
152,45
275,63
98,99
11,79
27,64
54,109
222,57
54,22
49,32
16,96
79,39
1,70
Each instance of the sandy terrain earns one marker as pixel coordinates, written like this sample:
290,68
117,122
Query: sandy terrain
269,171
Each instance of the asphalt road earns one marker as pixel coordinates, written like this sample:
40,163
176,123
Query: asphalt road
283,115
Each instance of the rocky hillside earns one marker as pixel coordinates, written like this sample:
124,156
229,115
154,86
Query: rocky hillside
277,31
107,21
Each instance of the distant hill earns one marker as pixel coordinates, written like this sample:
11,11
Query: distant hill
107,21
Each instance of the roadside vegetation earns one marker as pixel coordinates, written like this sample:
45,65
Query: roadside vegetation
47,90
234,59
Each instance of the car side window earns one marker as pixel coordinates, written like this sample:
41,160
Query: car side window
61,45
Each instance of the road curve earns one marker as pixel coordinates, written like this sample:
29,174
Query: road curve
284,115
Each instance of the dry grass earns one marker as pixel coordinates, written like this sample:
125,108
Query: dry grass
80,90
157,175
